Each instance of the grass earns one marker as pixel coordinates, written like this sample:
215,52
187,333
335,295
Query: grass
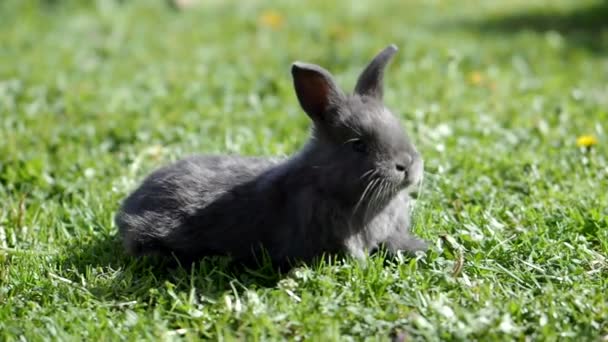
495,95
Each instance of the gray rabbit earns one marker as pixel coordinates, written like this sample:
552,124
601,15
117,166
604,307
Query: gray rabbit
345,191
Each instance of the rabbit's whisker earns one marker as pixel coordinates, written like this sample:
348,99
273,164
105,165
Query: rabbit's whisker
350,140
353,128
367,173
370,196
385,192
369,186
373,203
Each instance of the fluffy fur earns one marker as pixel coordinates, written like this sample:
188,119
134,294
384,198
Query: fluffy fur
345,191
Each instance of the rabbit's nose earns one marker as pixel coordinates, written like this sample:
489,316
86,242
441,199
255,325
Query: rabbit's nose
403,164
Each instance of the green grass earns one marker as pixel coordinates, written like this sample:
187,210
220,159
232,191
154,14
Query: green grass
494,94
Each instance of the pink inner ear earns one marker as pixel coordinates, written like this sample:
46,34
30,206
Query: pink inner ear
314,92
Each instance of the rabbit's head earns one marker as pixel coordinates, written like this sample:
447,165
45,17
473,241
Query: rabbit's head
358,145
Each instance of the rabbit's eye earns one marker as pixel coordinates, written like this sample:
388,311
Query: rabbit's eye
359,146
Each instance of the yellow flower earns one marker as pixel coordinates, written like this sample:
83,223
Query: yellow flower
586,141
475,78
272,19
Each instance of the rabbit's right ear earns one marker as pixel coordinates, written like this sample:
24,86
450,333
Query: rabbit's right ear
316,89
370,81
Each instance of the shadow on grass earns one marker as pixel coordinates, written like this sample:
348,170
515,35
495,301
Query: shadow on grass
113,275
585,27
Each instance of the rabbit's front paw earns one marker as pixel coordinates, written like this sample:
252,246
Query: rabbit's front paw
414,244
406,243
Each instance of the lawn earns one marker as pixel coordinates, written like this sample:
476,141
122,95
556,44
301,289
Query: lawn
494,94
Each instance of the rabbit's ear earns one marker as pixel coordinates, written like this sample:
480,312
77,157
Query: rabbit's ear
316,89
370,81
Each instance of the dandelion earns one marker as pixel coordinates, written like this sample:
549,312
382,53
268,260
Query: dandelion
586,141
475,78
272,19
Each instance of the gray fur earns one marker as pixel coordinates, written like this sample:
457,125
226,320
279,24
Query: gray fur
345,191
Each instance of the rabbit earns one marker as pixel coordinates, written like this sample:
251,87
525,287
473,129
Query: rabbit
347,191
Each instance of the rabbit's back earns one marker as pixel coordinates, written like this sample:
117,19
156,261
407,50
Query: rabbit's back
173,194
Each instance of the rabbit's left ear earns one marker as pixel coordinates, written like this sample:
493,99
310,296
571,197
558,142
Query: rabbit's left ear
316,90
370,81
